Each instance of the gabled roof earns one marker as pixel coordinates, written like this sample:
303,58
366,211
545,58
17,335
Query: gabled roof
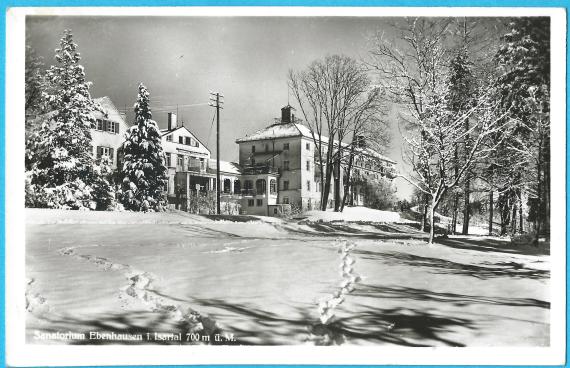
109,108
164,132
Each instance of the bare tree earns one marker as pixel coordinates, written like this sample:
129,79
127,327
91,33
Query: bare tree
369,130
416,74
329,93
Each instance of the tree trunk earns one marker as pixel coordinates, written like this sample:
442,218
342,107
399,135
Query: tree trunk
491,213
514,219
337,175
455,208
424,213
539,196
348,172
521,228
466,208
431,223
328,176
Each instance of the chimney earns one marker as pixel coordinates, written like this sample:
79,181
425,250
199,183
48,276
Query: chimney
286,114
172,121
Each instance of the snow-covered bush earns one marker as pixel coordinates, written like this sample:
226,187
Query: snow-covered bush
103,189
144,170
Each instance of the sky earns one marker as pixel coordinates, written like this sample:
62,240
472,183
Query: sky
182,59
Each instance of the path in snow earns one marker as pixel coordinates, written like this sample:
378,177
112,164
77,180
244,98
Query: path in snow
140,288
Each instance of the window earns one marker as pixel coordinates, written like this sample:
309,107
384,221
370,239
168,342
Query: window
180,161
272,186
285,146
285,200
248,184
260,186
308,165
168,158
169,138
266,147
275,211
308,146
227,185
308,185
259,202
237,186
286,185
105,151
285,165
181,140
111,126
252,161
107,126
188,141
253,149
250,202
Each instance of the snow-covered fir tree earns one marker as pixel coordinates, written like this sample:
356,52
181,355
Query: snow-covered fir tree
34,82
144,167
524,85
62,172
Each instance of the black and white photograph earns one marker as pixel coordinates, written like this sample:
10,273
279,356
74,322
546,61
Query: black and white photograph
349,178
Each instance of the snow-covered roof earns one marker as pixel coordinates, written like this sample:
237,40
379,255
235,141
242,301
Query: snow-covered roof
279,130
370,152
225,166
106,103
284,130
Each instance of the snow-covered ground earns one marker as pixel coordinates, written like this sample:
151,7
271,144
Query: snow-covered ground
262,282
354,214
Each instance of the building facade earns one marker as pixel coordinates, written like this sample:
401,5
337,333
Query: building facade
190,167
277,169
287,149
109,133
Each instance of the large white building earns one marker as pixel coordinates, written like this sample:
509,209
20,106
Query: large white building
286,150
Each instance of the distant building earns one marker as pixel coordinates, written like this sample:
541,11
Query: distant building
190,167
283,154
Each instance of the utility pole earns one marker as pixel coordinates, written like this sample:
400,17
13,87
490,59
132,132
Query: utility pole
216,102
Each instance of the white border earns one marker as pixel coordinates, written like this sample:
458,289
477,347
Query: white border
21,354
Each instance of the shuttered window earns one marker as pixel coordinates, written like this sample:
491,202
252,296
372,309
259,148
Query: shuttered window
106,151
107,126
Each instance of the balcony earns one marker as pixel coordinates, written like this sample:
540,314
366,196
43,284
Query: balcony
257,169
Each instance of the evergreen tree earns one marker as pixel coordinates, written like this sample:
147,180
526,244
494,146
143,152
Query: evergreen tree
524,84
144,167
461,90
62,173
34,82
